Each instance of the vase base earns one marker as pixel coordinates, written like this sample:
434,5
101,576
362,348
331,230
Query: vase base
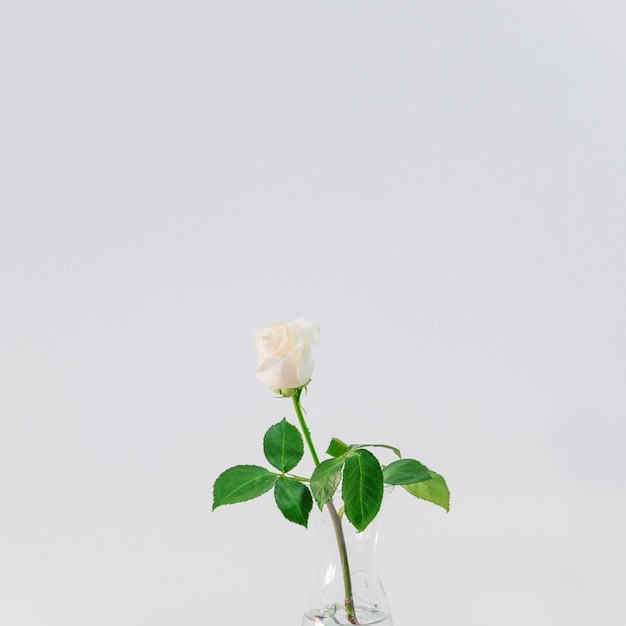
336,616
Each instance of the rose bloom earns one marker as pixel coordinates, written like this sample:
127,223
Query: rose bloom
285,356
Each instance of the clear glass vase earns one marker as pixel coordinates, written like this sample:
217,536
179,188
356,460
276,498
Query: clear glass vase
328,599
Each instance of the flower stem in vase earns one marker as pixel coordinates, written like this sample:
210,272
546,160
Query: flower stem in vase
334,515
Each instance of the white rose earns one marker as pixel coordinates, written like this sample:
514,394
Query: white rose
285,356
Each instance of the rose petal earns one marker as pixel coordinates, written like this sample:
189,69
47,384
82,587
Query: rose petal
285,356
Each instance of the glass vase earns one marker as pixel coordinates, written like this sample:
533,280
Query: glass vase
327,603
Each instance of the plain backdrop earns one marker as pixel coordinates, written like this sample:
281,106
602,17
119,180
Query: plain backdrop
441,186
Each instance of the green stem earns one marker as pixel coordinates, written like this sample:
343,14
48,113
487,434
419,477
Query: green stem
303,426
334,516
298,478
345,566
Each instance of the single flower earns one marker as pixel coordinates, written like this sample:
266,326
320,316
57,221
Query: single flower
285,355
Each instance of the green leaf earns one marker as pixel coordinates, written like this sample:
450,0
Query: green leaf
241,483
339,448
293,499
434,490
376,445
325,480
336,447
362,488
283,446
405,472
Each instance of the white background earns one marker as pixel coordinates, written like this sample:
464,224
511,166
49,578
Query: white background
440,185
